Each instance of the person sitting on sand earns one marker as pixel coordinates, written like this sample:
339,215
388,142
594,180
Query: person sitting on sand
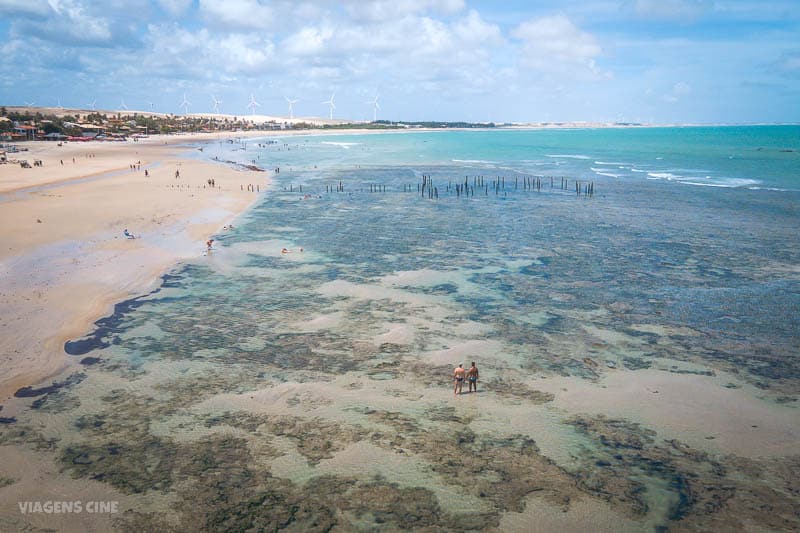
472,377
458,379
128,234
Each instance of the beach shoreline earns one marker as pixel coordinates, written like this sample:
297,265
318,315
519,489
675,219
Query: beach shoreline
65,262
98,263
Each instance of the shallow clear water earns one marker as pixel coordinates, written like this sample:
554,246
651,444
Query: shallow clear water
305,376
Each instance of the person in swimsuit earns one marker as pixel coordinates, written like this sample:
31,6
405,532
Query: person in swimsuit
472,377
458,379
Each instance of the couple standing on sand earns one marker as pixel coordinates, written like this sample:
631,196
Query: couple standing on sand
471,375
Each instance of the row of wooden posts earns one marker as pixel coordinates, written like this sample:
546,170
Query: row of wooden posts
427,189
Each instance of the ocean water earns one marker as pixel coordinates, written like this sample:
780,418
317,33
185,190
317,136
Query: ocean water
311,389
735,156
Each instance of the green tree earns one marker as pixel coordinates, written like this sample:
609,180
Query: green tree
51,127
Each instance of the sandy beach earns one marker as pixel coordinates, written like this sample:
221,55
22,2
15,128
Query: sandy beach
64,261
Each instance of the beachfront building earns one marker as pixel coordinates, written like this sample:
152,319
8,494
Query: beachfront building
26,131
91,130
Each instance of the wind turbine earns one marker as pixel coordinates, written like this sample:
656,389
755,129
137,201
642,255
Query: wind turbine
185,105
291,102
122,104
375,107
92,104
30,104
252,104
152,106
216,103
59,106
331,104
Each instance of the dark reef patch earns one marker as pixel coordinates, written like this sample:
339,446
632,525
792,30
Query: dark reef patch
104,334
30,392
707,493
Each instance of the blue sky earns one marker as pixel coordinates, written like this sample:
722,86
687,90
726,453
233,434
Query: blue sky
665,61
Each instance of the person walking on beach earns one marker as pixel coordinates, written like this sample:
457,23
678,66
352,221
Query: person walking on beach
209,244
458,379
472,377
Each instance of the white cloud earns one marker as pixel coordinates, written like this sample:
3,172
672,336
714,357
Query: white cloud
554,44
411,48
68,22
243,54
238,14
308,41
175,7
474,29
24,8
175,52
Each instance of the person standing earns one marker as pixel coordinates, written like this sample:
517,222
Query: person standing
472,377
458,379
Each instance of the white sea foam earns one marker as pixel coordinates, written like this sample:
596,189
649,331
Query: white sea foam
721,182
344,145
569,156
771,189
664,175
479,161
609,163
704,181
604,172
638,170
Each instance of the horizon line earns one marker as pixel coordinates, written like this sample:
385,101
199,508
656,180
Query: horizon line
244,117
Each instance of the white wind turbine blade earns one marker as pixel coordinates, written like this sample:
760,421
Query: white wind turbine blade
185,105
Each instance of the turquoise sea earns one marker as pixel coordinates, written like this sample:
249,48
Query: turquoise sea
311,390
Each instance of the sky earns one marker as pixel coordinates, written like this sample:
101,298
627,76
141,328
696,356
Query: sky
654,61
